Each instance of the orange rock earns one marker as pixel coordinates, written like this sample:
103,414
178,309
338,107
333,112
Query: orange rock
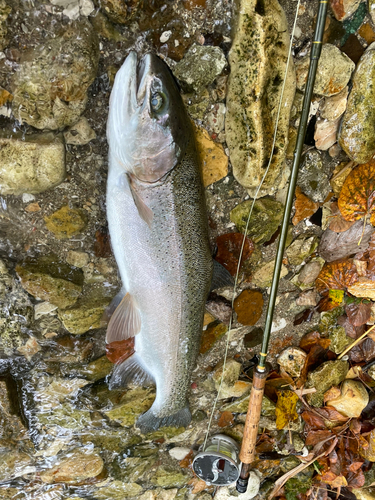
212,335
248,306
366,32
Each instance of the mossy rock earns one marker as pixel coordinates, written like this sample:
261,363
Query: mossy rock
66,222
117,490
323,378
241,406
96,370
135,402
65,416
339,340
84,315
168,477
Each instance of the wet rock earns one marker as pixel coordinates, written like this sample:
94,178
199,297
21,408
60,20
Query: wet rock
258,64
58,390
66,222
356,133
79,134
49,279
117,490
323,378
197,103
77,467
342,9
11,426
216,118
211,335
249,306
265,219
96,370
77,259
307,299
30,348
32,164
263,276
105,28
167,477
13,464
85,314
371,9
134,402
312,178
179,452
213,160
230,385
200,66
333,73
64,416
367,33
5,10
120,12
310,272
134,468
75,8
43,308
339,340
326,133
292,360
353,399
331,108
253,338
334,246
51,82
300,249
364,493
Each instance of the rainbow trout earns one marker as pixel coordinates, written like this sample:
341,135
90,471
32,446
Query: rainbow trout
158,227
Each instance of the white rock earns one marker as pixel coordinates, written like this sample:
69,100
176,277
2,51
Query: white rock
326,133
278,324
225,493
333,107
164,37
27,197
80,134
179,452
43,308
86,7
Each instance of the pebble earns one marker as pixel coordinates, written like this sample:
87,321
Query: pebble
213,160
200,66
300,249
307,299
179,452
229,493
257,60
292,360
86,314
74,8
39,161
263,276
310,272
333,107
13,464
165,36
325,134
356,135
77,259
51,81
312,177
66,222
323,378
30,348
43,308
371,9
27,197
75,468
333,73
343,9
353,399
80,134
215,119
5,10
278,324
249,307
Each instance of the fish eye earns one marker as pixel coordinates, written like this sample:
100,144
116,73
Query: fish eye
157,101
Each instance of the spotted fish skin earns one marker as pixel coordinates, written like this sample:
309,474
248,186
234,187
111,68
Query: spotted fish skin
165,264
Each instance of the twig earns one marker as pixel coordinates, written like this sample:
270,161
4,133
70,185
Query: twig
348,165
357,341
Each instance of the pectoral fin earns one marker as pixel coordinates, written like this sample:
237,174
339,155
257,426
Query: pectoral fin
125,321
109,310
220,277
144,211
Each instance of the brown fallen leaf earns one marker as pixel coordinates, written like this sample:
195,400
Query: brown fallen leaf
370,271
338,224
357,197
305,207
332,393
363,287
337,275
226,418
358,314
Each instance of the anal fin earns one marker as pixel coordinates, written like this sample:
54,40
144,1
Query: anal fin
128,371
125,321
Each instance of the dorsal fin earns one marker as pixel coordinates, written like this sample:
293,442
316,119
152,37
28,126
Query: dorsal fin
125,321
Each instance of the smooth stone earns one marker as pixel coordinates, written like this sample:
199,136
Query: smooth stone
79,134
230,493
65,416
325,134
77,467
213,160
342,9
13,464
200,66
263,276
335,246
96,370
75,8
310,272
323,378
253,338
179,452
66,222
265,218
292,360
312,177
43,308
59,390
30,348
135,402
49,279
211,335
33,164
51,82
77,259
356,135
249,307
258,64
300,249
229,378
168,477
331,108
86,314
215,119
309,298
333,74
117,490
339,340
353,399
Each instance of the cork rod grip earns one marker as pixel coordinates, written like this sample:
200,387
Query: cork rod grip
253,415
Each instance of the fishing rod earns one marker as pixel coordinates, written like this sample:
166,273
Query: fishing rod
261,371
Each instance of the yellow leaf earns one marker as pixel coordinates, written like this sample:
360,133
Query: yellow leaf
285,408
336,296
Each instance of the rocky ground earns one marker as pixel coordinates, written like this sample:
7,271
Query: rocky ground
63,434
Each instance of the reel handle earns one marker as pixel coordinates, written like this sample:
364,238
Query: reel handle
250,436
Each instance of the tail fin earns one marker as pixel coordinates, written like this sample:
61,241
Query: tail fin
149,422
130,370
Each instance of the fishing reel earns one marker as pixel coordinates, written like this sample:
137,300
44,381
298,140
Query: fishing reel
218,463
